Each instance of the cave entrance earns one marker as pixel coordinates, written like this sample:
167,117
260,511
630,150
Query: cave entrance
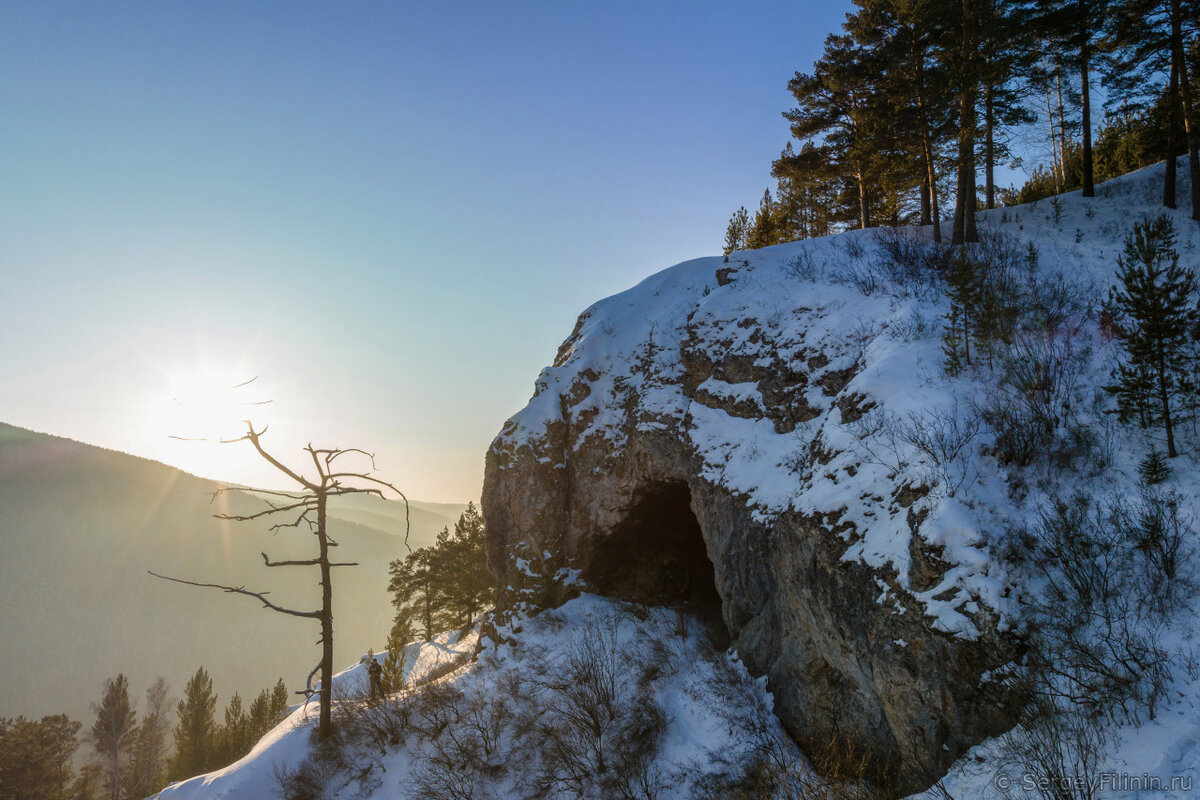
657,555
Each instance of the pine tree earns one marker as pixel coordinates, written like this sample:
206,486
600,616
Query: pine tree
462,569
841,105
808,196
963,291
1154,314
279,702
1154,468
259,715
965,67
195,733
415,591
1007,55
234,736
114,734
35,757
392,676
906,37
763,230
735,234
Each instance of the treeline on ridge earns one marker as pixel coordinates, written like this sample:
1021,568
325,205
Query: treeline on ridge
905,105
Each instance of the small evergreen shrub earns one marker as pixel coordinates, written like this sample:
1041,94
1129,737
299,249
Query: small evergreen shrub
1154,467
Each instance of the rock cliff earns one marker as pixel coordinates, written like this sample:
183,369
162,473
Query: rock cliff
726,432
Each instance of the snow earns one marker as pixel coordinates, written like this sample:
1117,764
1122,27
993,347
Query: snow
692,684
287,745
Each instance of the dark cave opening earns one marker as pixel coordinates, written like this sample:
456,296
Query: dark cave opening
657,555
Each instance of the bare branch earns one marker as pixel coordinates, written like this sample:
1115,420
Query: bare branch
264,513
308,690
240,590
245,383
275,492
294,523
312,562
335,453
253,436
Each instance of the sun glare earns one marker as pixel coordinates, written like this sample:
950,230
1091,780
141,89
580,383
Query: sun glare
202,407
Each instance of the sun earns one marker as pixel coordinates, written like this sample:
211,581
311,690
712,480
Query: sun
206,404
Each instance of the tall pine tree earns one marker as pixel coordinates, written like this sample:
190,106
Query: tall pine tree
1154,315
195,733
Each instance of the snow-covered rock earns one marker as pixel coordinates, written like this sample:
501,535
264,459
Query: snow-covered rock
745,430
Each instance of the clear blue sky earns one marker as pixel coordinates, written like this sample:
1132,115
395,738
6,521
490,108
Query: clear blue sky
391,212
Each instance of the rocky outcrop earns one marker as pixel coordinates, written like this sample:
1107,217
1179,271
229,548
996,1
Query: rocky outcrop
720,434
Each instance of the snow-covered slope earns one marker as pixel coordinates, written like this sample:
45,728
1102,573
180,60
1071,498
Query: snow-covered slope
288,745
653,669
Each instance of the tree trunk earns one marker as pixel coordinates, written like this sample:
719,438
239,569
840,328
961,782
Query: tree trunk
1189,108
930,174
1062,125
964,205
930,179
325,725
989,147
1089,179
1058,168
925,205
864,206
1172,123
1164,399
934,204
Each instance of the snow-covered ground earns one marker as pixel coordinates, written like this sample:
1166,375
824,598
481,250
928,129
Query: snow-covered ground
811,296
648,673
285,747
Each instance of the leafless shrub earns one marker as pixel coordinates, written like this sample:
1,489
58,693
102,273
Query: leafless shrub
1032,405
464,747
800,267
864,276
1162,534
437,781
1055,754
944,437
312,779
1097,629
434,708
879,440
594,736
852,245
916,265
374,724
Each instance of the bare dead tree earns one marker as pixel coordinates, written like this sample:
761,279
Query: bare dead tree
307,506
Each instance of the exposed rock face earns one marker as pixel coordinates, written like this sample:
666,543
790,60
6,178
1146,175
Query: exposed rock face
709,435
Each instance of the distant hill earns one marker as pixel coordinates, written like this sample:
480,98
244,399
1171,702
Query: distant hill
81,525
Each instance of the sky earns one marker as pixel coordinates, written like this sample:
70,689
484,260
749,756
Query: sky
389,213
